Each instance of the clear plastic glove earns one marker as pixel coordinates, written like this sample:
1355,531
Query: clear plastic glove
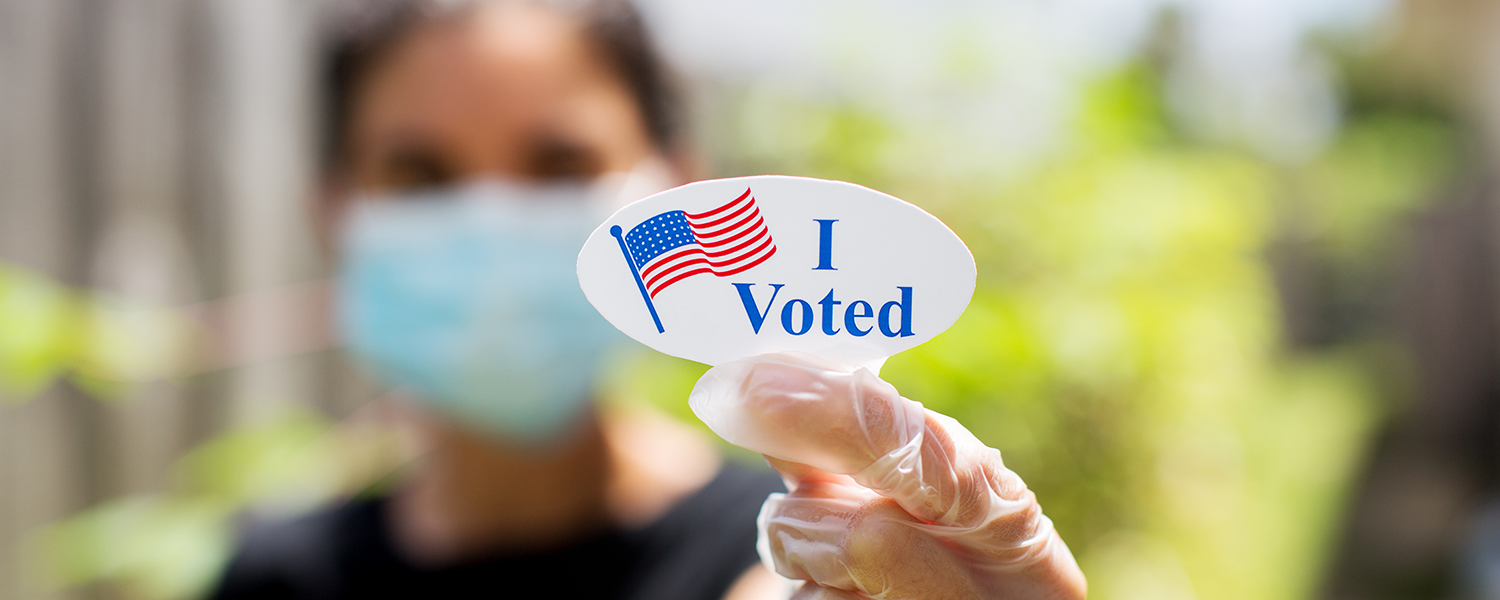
888,499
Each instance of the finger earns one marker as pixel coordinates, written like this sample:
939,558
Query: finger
947,476
813,591
795,473
969,499
799,408
854,540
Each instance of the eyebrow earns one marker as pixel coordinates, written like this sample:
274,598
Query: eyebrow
407,140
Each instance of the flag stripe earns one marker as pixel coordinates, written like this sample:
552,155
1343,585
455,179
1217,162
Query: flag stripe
668,258
717,266
720,220
682,259
760,233
695,256
689,259
770,251
714,237
721,208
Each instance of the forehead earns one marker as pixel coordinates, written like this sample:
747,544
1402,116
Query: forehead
496,64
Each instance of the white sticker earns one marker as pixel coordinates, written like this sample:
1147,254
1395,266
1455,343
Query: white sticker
719,270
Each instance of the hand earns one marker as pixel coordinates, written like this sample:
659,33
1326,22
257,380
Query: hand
888,499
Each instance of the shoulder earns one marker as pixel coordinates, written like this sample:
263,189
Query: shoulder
736,491
707,541
304,557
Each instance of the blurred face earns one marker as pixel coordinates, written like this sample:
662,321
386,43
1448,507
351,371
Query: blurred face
507,90
469,299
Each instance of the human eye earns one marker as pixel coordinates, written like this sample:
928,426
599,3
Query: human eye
414,168
561,160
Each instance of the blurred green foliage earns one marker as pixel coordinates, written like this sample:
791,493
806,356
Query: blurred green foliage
1382,167
175,543
151,546
99,341
1124,348
40,335
171,544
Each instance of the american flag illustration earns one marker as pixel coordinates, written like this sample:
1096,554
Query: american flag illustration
675,245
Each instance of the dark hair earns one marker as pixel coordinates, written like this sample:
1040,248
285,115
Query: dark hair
356,32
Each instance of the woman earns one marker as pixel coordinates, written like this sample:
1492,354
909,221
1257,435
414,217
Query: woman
471,148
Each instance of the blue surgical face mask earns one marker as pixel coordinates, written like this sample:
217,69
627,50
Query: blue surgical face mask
468,299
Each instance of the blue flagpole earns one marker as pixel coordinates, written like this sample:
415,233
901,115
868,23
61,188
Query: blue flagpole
615,231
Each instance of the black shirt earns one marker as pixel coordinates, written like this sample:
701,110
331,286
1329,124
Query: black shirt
695,551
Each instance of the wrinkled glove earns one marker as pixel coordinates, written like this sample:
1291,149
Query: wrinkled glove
888,499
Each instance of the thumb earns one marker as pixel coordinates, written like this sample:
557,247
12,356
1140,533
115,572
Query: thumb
803,409
800,408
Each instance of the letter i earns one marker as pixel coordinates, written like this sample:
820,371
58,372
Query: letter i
825,244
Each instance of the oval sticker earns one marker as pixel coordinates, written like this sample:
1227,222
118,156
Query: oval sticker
719,270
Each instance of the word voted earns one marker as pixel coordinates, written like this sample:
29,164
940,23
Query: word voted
798,316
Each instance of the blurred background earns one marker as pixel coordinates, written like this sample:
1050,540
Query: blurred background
1236,321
